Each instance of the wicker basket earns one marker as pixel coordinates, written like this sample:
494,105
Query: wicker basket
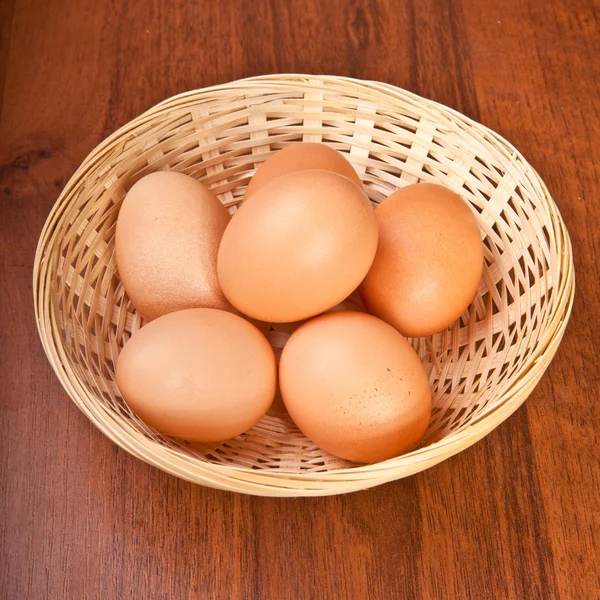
481,369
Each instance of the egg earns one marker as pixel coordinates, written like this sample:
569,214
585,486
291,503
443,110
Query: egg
429,260
301,157
280,333
166,243
355,386
200,374
302,245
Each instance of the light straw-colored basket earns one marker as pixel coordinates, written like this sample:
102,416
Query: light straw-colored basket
481,369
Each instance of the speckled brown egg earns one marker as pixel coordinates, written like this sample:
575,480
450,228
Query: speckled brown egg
168,234
301,156
429,260
280,333
302,245
201,374
355,386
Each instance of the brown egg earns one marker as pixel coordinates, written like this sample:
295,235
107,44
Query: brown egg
429,260
355,387
301,157
200,374
168,234
302,245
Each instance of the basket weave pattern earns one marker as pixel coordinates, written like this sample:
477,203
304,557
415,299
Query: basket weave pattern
481,369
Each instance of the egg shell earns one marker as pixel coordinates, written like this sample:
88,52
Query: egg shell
429,260
200,374
280,333
167,239
301,156
302,245
355,386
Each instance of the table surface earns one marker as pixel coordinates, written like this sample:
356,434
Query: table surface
515,516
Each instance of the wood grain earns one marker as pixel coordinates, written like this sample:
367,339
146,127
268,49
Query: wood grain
516,516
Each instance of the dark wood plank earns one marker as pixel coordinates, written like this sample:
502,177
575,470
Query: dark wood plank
516,516
6,13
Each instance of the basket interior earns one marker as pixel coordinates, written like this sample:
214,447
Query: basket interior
220,138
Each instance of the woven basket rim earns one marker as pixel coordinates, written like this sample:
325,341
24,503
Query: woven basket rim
376,473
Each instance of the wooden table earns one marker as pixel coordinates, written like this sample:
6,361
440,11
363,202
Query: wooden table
515,517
